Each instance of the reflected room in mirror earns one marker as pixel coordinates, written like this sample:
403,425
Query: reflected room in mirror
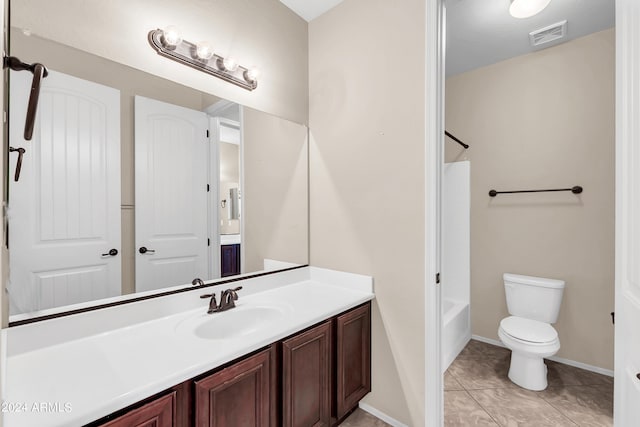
133,184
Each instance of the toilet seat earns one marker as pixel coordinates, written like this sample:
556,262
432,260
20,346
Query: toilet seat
528,331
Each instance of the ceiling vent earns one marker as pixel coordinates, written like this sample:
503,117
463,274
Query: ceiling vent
548,34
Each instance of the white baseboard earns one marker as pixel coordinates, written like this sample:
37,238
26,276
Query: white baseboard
596,369
381,415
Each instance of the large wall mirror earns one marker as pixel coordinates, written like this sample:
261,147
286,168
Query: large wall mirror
134,184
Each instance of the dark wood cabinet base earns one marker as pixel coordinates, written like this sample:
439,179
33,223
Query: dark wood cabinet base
306,378
239,395
353,358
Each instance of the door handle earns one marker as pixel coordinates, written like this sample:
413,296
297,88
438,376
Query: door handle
112,252
144,250
20,152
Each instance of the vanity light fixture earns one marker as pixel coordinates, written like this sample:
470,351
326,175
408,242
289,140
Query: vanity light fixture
527,8
171,37
169,43
204,51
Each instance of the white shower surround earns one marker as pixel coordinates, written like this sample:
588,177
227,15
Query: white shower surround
456,267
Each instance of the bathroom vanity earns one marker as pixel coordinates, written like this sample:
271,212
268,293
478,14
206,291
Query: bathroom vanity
295,351
314,377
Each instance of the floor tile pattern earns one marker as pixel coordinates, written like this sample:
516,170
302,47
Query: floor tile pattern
478,393
360,418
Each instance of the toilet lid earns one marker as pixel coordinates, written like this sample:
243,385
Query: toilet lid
528,330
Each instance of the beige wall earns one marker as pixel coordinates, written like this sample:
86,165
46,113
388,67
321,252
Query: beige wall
275,199
367,115
261,33
544,120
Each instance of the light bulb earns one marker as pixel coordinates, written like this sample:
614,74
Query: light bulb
230,64
204,50
172,36
252,74
527,8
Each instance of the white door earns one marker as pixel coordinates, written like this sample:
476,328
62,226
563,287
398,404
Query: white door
171,159
65,209
627,311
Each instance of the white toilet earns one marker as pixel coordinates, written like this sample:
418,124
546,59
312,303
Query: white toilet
533,303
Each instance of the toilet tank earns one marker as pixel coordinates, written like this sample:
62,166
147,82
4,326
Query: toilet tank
535,298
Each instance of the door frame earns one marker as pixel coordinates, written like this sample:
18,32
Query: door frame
627,18
434,157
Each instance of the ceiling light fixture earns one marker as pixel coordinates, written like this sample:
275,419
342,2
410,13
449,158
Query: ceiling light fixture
169,43
527,8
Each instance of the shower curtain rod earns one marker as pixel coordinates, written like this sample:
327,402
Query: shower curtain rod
456,140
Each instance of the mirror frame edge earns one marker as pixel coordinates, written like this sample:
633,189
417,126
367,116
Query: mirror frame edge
147,297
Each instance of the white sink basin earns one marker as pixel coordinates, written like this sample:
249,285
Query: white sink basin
234,323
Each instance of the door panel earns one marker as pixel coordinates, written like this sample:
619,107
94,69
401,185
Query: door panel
158,413
171,153
240,395
353,330
627,335
65,208
306,373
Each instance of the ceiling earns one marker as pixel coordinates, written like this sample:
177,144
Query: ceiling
481,32
310,9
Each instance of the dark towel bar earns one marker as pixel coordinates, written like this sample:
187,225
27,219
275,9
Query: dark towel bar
456,140
575,190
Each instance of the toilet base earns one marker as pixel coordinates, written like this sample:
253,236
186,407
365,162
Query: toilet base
528,372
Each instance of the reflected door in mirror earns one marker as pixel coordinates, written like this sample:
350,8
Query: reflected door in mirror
171,165
64,210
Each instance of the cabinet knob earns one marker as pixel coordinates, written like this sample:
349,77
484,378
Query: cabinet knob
112,252
144,250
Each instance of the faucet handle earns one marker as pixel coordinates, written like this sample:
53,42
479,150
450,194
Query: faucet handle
213,304
203,296
233,293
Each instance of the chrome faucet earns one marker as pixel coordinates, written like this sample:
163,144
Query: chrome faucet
227,300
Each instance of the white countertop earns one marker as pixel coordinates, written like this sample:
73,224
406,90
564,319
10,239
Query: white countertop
230,239
93,371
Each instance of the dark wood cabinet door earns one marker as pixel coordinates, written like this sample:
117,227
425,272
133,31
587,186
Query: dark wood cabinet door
237,396
306,378
353,359
229,260
158,413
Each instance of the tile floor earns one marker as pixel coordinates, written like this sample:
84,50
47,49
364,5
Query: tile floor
478,393
360,418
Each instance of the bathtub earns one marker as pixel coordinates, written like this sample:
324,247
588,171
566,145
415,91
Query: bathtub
456,329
